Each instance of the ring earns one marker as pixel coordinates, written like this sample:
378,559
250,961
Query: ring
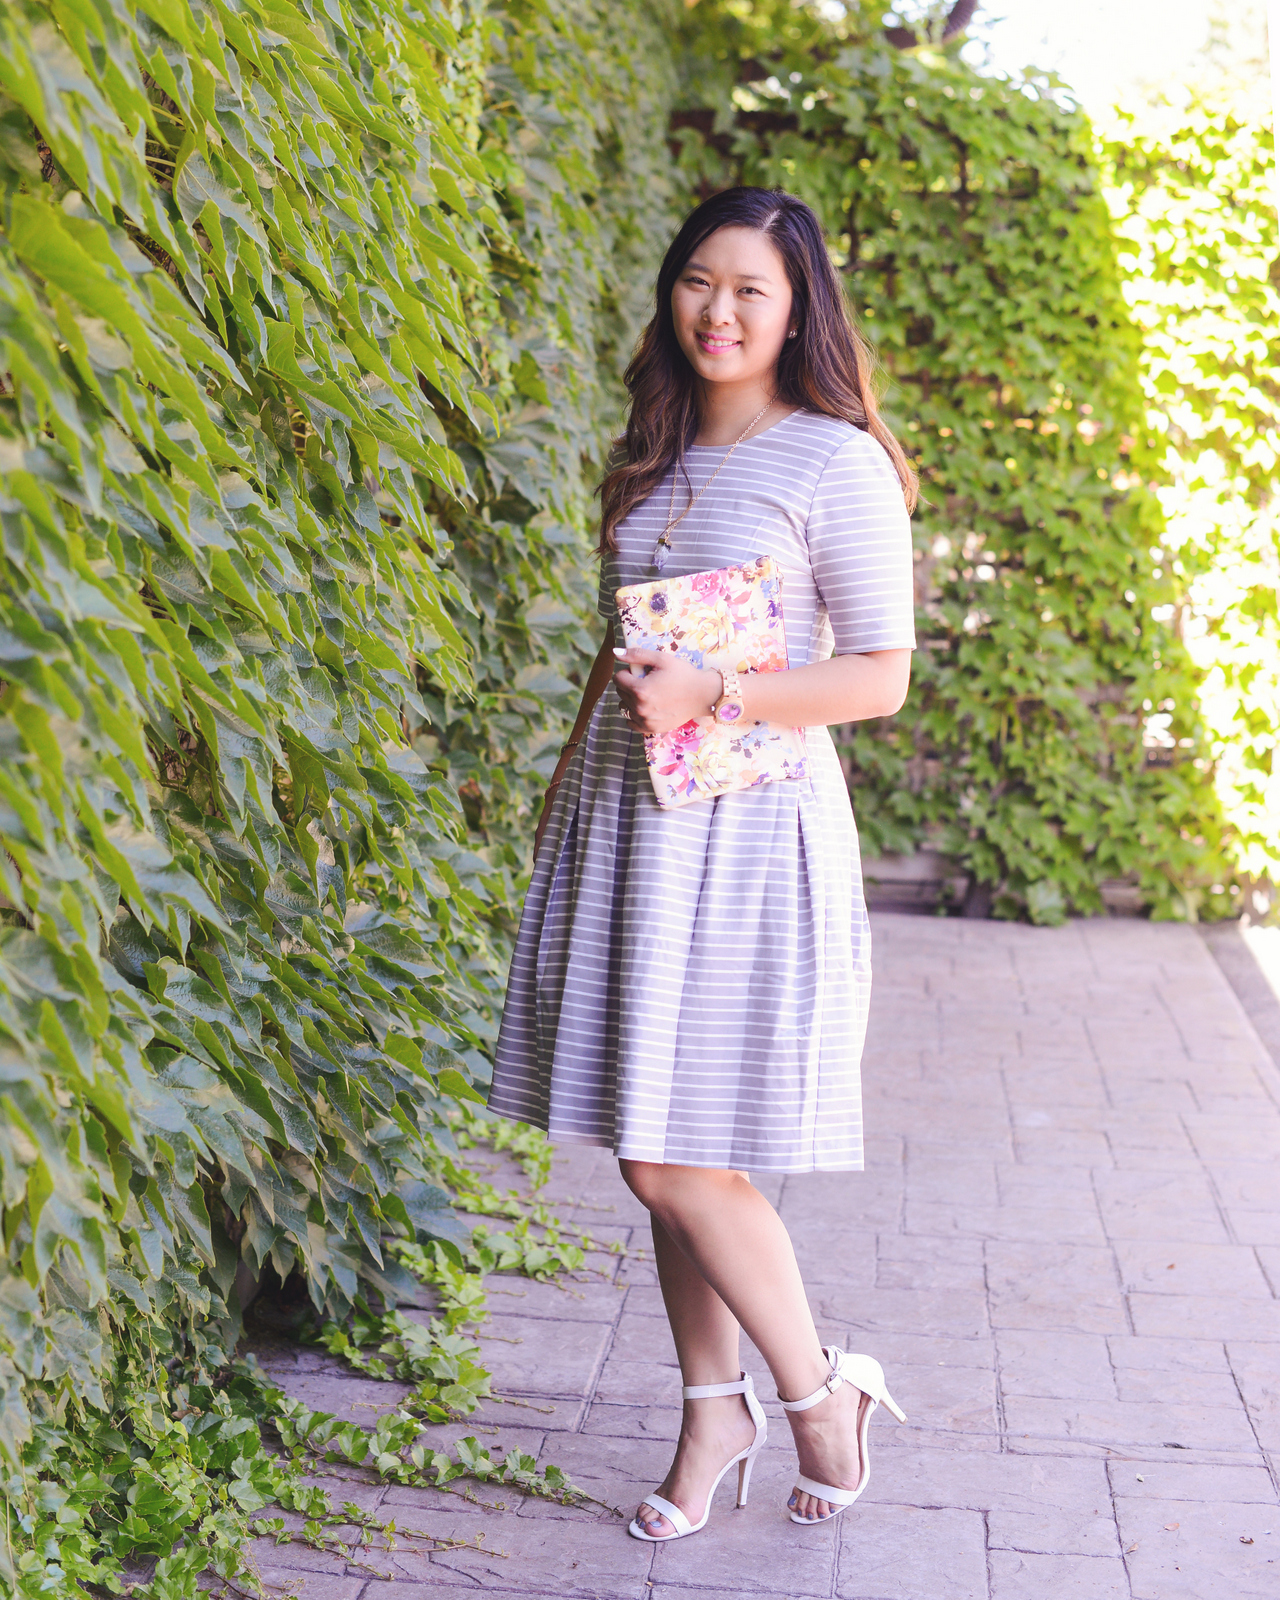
626,714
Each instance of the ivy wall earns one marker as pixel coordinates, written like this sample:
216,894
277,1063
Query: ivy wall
309,315
1192,190
969,220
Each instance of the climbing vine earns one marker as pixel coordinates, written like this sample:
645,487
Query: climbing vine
302,319
968,219
1191,189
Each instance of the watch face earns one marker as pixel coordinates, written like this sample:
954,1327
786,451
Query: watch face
730,713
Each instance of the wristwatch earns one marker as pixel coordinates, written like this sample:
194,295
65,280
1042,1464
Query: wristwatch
729,707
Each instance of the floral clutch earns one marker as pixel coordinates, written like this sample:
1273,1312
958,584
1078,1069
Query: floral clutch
728,618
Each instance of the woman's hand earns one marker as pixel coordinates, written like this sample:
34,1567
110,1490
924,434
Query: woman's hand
670,693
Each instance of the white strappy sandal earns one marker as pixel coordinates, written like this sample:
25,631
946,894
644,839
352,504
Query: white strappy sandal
744,1461
864,1373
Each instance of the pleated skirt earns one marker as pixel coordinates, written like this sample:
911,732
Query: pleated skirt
691,986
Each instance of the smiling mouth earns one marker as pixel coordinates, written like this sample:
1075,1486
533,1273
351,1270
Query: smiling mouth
711,341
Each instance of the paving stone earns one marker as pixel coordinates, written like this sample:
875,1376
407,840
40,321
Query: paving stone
1029,1085
1254,1227
1055,1147
1075,1291
927,1350
1187,1550
1176,1481
755,1550
1020,1575
867,1200
327,1565
947,1399
1074,1491
906,1261
834,1255
643,1338
1077,1532
637,1271
525,1554
574,1299
1252,1135
1061,1187
1140,1095
1115,1424
353,1399
1206,1316
1055,1366
957,1313
1169,1163
1155,1129
448,1587
908,1552
619,1471
640,1383
1176,1267
1181,1387
549,1358
1247,1185
1168,1355
1032,1224
1159,1205
309,1585
1257,1370
934,1173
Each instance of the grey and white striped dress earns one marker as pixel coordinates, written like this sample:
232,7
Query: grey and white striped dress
691,986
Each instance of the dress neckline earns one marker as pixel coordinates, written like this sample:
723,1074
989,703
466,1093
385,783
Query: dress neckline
764,433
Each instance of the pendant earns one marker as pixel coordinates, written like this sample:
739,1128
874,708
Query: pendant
659,557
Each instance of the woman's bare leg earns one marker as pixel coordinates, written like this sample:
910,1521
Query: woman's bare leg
739,1267
706,1337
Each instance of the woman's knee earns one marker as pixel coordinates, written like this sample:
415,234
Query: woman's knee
672,1190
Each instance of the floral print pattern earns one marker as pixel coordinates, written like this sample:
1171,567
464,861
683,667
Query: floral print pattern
731,617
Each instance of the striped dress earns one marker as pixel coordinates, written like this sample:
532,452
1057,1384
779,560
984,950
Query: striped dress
691,986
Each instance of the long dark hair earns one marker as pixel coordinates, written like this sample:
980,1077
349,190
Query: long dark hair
826,368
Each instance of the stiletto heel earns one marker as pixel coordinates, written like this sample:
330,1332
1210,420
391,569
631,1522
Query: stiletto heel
743,1461
866,1374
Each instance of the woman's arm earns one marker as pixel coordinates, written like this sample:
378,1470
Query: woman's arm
597,683
848,688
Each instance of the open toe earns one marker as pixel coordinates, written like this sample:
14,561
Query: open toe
822,1501
671,1522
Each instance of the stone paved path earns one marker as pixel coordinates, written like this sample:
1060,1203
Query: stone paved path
1065,1251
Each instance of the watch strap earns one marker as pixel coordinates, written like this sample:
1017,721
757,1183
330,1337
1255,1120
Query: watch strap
729,707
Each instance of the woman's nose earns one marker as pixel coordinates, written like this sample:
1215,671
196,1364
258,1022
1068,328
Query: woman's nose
719,307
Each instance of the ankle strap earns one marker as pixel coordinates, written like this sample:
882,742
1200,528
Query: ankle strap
830,1384
709,1391
829,1387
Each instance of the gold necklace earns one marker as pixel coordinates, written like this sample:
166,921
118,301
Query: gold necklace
664,538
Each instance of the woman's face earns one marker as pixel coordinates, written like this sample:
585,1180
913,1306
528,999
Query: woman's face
732,307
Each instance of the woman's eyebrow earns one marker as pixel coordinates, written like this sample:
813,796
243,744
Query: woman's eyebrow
757,277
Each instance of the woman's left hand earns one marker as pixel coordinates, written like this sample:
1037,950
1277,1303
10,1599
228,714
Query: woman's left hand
670,693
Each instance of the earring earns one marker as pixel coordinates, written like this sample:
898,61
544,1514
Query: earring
793,333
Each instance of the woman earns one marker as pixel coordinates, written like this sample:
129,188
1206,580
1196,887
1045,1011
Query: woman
690,986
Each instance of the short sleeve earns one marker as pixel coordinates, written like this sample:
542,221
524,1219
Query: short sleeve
606,604
859,536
